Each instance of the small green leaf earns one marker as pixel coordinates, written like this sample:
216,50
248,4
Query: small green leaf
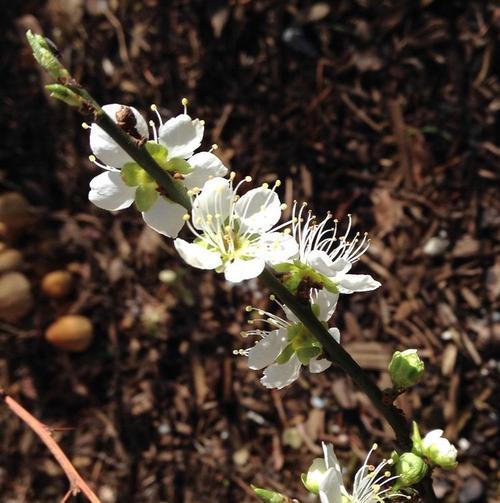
305,354
145,196
178,165
65,94
269,496
285,355
133,175
158,152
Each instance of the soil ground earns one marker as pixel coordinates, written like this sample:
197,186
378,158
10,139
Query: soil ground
386,110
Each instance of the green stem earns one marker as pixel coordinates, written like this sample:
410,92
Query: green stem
341,357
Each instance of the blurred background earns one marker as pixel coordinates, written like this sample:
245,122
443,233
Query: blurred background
388,110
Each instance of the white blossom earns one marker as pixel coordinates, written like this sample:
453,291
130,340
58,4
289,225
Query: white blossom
371,483
235,235
439,449
283,350
321,250
123,181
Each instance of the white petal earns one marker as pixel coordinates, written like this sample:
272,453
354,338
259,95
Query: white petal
280,375
327,302
109,192
105,148
350,283
317,366
330,457
276,247
320,261
196,255
165,217
340,266
259,209
216,198
267,349
181,135
239,270
335,333
205,165
431,437
330,489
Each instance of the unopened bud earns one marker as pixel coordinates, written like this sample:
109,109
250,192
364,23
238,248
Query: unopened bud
406,368
410,469
270,496
315,475
439,450
44,54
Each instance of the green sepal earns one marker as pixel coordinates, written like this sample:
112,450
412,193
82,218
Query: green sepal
307,353
178,165
417,440
158,152
285,355
145,196
133,175
283,267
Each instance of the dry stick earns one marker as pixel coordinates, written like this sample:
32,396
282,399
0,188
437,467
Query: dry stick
77,484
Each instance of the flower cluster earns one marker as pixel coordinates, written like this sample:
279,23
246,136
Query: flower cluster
371,483
234,234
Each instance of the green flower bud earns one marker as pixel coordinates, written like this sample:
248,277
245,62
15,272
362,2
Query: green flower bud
314,476
439,450
406,368
410,468
270,496
45,56
417,440
62,93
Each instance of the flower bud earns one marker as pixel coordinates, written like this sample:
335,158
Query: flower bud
270,496
406,368
45,56
315,475
410,468
439,450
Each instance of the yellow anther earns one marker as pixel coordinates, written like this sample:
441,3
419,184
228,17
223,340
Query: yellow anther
151,123
265,185
236,352
248,178
85,125
186,217
92,158
284,206
243,334
387,474
185,102
232,175
375,447
261,313
248,309
272,297
277,183
287,231
215,146
202,122
154,108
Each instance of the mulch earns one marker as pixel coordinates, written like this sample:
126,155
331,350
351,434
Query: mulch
385,110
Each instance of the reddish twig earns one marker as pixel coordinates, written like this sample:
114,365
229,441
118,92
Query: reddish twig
77,484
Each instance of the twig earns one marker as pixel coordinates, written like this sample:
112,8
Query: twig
77,484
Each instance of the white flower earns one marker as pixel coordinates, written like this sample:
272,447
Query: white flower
172,147
371,484
284,350
439,449
235,235
332,257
